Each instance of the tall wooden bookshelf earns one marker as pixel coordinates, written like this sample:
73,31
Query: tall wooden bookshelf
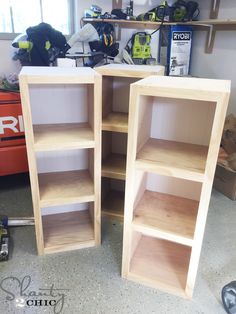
175,127
116,80
62,118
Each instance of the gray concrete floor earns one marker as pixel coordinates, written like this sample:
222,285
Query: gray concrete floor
93,275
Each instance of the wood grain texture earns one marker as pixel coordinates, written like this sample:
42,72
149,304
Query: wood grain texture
183,88
128,70
67,231
66,187
114,166
166,216
182,160
57,75
97,161
154,25
29,136
49,137
115,121
113,205
160,264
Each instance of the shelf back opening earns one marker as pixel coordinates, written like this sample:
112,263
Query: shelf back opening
65,177
115,103
159,263
176,132
166,207
67,227
60,103
113,193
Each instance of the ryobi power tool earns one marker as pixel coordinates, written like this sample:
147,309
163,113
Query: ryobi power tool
140,49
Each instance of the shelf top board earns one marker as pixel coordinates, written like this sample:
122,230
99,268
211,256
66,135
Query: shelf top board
130,70
57,75
169,86
153,25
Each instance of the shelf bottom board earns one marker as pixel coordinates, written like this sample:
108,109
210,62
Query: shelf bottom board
160,264
113,205
172,216
115,121
67,231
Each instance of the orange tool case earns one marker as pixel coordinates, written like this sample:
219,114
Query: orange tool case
13,157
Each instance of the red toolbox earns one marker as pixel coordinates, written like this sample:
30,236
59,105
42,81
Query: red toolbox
13,157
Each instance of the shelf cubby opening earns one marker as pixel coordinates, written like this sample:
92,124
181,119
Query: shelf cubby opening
65,177
114,146
67,227
115,103
113,192
159,263
166,207
174,135
62,116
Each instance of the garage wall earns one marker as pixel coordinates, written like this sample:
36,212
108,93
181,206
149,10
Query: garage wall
219,64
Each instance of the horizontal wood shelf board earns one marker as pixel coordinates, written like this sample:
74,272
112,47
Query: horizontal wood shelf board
182,84
63,136
67,187
58,75
153,25
113,204
69,247
162,262
114,166
130,70
115,121
62,230
167,213
173,155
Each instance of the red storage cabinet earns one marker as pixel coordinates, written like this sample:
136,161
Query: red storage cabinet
13,157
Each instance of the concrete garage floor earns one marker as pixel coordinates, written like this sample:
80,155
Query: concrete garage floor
93,275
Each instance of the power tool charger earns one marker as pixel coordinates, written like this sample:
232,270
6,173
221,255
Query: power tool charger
140,49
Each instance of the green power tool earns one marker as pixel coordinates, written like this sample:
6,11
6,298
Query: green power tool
140,47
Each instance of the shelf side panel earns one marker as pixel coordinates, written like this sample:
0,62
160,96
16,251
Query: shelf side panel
29,135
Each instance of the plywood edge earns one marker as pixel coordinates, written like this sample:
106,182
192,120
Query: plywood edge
157,285
69,247
156,233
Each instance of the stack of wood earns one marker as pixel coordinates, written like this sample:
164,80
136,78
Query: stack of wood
227,154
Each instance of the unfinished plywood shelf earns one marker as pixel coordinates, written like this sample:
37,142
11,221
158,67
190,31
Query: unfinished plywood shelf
114,166
159,262
67,187
116,80
63,136
181,160
166,216
175,127
115,121
68,231
62,118
113,205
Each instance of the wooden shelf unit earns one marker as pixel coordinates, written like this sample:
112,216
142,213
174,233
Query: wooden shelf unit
62,118
175,127
116,79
